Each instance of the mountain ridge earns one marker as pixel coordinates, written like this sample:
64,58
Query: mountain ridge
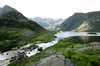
47,22
17,30
5,9
89,21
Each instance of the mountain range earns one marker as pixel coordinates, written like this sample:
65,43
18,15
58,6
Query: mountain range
48,23
16,30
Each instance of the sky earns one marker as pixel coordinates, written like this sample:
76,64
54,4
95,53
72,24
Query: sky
52,8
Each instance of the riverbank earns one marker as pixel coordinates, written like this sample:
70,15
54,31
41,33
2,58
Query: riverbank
5,57
55,46
88,54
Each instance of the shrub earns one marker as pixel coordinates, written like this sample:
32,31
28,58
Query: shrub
91,51
69,53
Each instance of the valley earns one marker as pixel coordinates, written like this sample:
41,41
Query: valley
61,45
38,41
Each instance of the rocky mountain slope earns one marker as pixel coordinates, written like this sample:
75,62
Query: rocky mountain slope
6,9
48,23
82,22
16,30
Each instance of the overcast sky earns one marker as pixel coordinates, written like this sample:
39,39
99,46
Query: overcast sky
52,8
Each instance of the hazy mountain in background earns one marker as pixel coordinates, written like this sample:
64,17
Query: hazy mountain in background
82,22
48,23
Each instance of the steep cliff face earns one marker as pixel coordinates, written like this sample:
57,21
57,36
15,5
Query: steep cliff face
82,22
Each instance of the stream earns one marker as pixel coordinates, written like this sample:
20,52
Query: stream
6,56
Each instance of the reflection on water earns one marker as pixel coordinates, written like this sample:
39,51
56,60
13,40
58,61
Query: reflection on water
82,37
86,39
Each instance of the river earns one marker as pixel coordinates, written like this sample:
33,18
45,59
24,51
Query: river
4,58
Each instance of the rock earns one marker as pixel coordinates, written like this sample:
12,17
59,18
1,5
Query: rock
37,42
6,53
19,56
27,34
7,41
22,43
37,46
0,52
40,49
71,46
54,60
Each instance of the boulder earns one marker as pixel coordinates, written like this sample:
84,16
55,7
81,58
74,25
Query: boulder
40,49
54,60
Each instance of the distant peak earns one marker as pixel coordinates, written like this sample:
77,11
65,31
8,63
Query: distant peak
6,6
78,13
5,9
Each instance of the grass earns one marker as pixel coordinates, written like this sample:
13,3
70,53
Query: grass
8,40
88,45
82,46
85,60
91,51
84,29
68,53
91,33
81,59
27,60
45,37
64,43
17,35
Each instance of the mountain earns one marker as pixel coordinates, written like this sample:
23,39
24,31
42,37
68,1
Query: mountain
16,30
47,22
55,26
82,22
6,9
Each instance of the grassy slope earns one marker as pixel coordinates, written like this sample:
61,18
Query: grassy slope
17,30
15,37
80,58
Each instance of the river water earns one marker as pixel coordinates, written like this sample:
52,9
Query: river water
4,58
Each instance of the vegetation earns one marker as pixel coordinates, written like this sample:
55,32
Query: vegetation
31,47
9,40
81,59
91,33
68,53
29,60
64,44
91,51
16,30
88,22
45,37
20,37
84,29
